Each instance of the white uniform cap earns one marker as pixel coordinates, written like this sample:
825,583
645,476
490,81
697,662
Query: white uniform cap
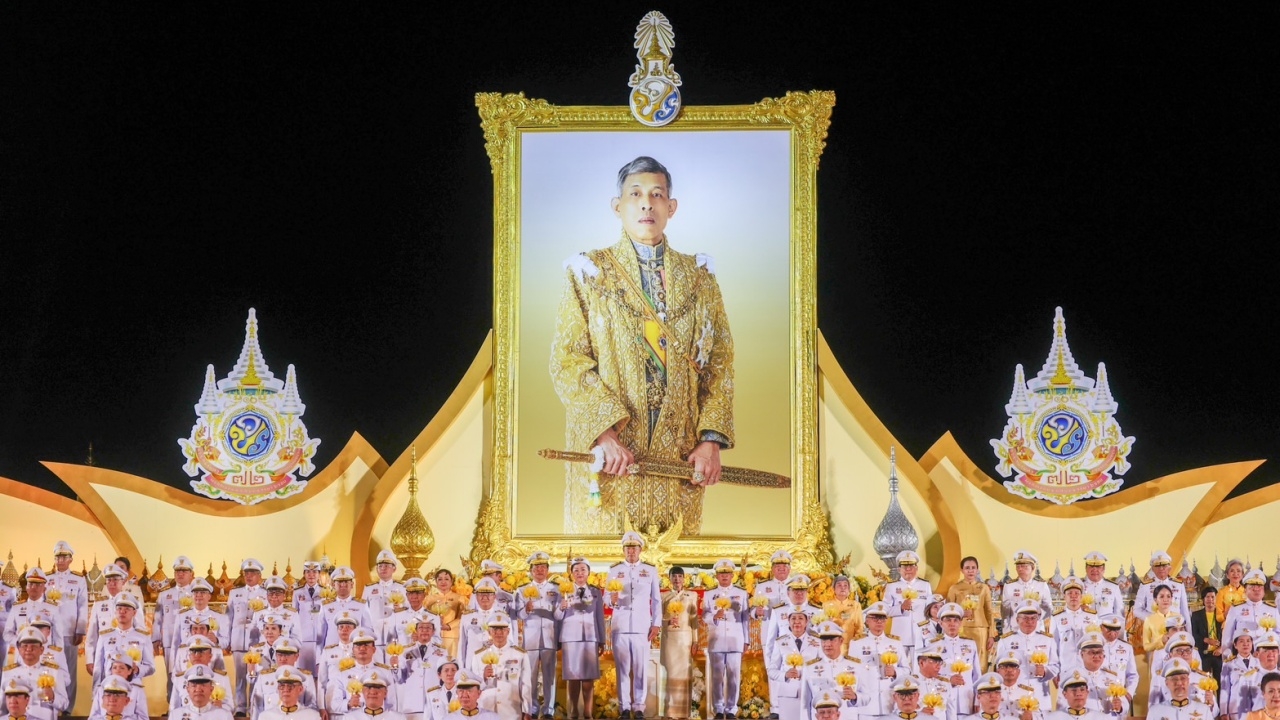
725,565
201,584
362,636
951,610
250,564
632,539
907,557
385,556
539,558
35,574
829,629
117,684
780,557
1022,556
343,573
490,566
499,620
275,582
126,599
1095,558
62,548
876,608
1255,577
798,582
486,585
182,562
30,634
990,681
1028,606
1161,557
1175,666
17,686
113,570
198,673
287,674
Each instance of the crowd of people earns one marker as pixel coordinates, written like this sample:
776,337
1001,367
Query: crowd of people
423,651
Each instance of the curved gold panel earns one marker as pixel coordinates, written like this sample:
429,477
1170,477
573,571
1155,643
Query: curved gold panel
424,442
47,499
949,569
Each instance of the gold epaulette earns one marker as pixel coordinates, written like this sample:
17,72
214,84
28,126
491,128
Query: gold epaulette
1148,581
817,659
852,659
1269,603
1059,612
77,574
1108,670
1006,635
330,600
1044,634
384,667
54,665
433,689
1251,671
330,647
220,672
7,668
304,671
893,637
517,647
1027,687
55,648
615,564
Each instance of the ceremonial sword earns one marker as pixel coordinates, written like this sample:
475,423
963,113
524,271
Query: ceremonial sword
681,470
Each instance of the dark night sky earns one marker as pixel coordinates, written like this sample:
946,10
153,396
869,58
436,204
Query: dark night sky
163,170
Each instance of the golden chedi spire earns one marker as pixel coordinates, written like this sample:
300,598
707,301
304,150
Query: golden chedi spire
412,540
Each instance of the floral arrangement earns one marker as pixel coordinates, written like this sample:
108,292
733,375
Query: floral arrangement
795,660
675,607
889,657
354,686
134,653
256,604
932,701
185,602
1087,599
960,667
489,658
1208,684
969,603
531,592
45,681
614,586
1116,690
454,706
218,694
1267,622
910,594
846,679
758,601
53,595
1033,596
723,603
756,707
253,657
397,599
346,663
1028,703
395,649
566,586
1039,657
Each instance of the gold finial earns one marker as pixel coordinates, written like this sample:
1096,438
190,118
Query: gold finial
251,378
1060,376
412,539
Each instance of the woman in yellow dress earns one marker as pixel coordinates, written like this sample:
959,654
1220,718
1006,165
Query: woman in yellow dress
844,609
1154,629
975,597
1271,698
449,605
1231,594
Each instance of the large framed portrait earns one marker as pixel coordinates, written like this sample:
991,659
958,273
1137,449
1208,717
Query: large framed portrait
655,286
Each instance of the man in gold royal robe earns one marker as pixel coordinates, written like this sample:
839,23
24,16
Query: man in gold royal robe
643,361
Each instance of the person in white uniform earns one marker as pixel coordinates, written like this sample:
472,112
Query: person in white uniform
637,618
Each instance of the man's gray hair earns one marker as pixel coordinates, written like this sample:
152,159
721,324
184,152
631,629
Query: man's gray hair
643,164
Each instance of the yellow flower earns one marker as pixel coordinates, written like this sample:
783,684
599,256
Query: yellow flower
397,598
1087,598
723,603
53,595
346,663
252,657
115,624
411,628
439,608
394,648
959,667
566,587
1028,703
932,700
1195,664
614,586
910,594
354,686
1116,691
134,653
846,679
454,706
489,658
218,694
256,604
758,601
969,604
675,607
185,603
889,658
45,681
795,660
1266,622
1033,596
1039,657
531,592
1208,684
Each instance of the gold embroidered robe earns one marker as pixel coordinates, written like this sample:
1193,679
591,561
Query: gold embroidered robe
598,369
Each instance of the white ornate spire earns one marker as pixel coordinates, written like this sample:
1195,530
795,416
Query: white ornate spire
1018,403
290,401
1060,370
895,532
251,372
1102,401
209,400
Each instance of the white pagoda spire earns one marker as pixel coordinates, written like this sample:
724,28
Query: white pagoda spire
1018,403
209,400
251,372
290,401
1102,401
1060,370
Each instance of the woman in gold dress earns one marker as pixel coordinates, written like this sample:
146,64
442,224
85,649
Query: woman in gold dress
1155,629
1231,594
1270,685
975,597
449,605
844,609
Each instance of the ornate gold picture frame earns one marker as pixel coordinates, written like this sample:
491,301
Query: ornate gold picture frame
801,119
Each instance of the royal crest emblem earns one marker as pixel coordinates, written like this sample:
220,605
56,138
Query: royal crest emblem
249,443
655,85
1062,442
